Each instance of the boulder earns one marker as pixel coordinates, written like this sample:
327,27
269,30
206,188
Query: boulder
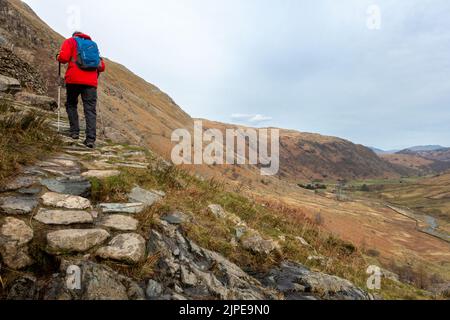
14,237
37,101
18,205
119,222
9,85
297,282
66,201
74,240
98,282
200,273
129,248
60,217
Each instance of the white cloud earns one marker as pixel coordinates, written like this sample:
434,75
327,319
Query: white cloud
251,118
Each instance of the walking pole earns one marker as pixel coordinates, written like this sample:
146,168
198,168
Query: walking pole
59,96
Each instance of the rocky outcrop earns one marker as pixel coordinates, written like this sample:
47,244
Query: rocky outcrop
13,66
189,271
297,282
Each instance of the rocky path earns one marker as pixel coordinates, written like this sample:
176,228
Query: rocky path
51,231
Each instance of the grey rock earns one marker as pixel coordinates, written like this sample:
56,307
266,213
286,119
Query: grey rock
256,243
119,222
175,218
9,85
200,273
154,290
30,191
14,236
148,198
36,101
130,208
60,217
74,240
19,205
217,211
297,282
129,248
72,186
98,282
19,183
66,201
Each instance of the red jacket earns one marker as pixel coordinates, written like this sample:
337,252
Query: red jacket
74,74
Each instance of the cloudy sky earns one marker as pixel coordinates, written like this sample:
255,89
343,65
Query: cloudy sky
379,75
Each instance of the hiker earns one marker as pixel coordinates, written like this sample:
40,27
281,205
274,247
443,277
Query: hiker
85,66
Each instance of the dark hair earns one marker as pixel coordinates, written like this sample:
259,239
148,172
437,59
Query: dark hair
76,33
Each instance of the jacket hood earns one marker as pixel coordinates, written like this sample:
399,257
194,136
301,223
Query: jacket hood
82,35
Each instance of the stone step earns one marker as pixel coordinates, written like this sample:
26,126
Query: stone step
128,248
130,208
61,217
119,222
75,240
66,201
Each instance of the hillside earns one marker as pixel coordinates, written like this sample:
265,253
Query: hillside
426,160
132,108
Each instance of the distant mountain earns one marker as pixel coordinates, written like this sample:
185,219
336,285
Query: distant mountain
379,151
424,148
425,159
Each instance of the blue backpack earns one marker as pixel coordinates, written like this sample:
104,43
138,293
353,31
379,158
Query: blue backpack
88,57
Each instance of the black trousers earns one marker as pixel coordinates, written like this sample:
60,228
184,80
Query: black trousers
89,98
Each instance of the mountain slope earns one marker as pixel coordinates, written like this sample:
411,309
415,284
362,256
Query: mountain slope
128,103
147,116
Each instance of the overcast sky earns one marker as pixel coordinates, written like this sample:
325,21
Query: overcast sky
315,66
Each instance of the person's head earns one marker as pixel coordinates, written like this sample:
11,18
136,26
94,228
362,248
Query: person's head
76,33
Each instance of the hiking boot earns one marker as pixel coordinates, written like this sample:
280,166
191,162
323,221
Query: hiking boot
90,145
75,136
